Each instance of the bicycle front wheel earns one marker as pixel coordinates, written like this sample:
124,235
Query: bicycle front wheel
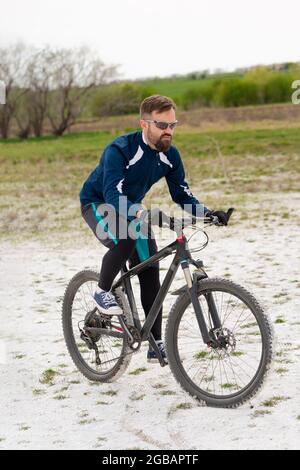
232,372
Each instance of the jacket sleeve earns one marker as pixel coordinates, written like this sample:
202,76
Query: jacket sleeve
114,167
179,189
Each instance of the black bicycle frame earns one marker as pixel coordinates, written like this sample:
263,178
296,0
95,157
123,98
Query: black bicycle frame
183,257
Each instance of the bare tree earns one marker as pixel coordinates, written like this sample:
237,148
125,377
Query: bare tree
31,107
39,77
47,83
73,74
13,62
22,116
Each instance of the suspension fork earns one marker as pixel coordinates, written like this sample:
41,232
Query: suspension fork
192,283
213,310
192,288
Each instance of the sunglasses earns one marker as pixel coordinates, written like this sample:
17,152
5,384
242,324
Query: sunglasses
163,125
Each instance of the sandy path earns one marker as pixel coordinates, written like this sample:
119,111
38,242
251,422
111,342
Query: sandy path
140,411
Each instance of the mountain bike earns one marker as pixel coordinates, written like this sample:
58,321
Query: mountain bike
219,341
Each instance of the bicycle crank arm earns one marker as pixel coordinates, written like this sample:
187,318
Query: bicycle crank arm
126,330
156,349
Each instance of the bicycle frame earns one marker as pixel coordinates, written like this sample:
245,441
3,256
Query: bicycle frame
182,257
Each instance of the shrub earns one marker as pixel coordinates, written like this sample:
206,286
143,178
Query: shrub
197,97
278,89
236,92
120,99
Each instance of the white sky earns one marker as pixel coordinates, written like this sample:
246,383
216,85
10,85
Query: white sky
161,37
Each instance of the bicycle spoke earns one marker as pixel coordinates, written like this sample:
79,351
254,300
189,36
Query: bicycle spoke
221,372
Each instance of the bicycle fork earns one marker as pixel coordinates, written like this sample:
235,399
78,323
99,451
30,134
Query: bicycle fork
192,288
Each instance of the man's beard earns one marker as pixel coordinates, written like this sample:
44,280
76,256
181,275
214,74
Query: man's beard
162,144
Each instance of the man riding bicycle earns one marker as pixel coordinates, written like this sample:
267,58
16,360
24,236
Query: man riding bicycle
111,200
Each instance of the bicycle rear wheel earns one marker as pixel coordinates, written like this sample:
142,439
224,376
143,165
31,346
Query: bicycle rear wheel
113,353
230,374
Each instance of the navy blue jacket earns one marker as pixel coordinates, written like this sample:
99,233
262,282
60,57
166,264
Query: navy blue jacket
129,167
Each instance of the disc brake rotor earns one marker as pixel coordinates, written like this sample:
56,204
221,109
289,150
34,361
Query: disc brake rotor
225,339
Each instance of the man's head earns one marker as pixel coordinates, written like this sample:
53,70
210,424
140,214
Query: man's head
156,112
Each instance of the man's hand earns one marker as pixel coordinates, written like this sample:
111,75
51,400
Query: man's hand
223,217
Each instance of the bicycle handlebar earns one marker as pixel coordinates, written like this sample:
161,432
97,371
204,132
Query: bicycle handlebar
158,217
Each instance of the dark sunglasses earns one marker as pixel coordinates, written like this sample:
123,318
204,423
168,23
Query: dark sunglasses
163,125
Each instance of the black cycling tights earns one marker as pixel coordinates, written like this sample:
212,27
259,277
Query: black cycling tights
149,278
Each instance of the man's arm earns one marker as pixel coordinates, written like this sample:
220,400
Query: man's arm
113,177
180,192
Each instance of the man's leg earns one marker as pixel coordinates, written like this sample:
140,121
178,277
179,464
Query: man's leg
113,261
119,251
150,285
149,282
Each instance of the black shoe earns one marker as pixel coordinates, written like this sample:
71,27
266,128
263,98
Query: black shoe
151,355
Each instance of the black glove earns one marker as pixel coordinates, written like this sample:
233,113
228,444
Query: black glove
223,217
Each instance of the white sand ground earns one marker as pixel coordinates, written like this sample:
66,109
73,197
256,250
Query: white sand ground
140,411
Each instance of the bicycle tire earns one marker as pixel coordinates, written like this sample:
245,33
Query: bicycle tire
226,287
121,364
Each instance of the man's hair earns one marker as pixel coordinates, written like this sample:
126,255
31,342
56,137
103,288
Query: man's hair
156,103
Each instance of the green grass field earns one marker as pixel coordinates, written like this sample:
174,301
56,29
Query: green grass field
41,178
88,145
177,86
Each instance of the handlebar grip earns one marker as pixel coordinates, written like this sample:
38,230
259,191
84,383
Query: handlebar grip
219,217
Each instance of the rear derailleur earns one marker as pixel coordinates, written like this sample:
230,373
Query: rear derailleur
93,320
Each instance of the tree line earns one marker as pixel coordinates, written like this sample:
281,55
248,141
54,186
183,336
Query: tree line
47,84
51,88
257,86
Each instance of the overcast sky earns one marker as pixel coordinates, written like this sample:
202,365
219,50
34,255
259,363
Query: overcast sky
161,37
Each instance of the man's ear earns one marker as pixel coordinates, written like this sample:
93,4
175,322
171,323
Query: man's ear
143,124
